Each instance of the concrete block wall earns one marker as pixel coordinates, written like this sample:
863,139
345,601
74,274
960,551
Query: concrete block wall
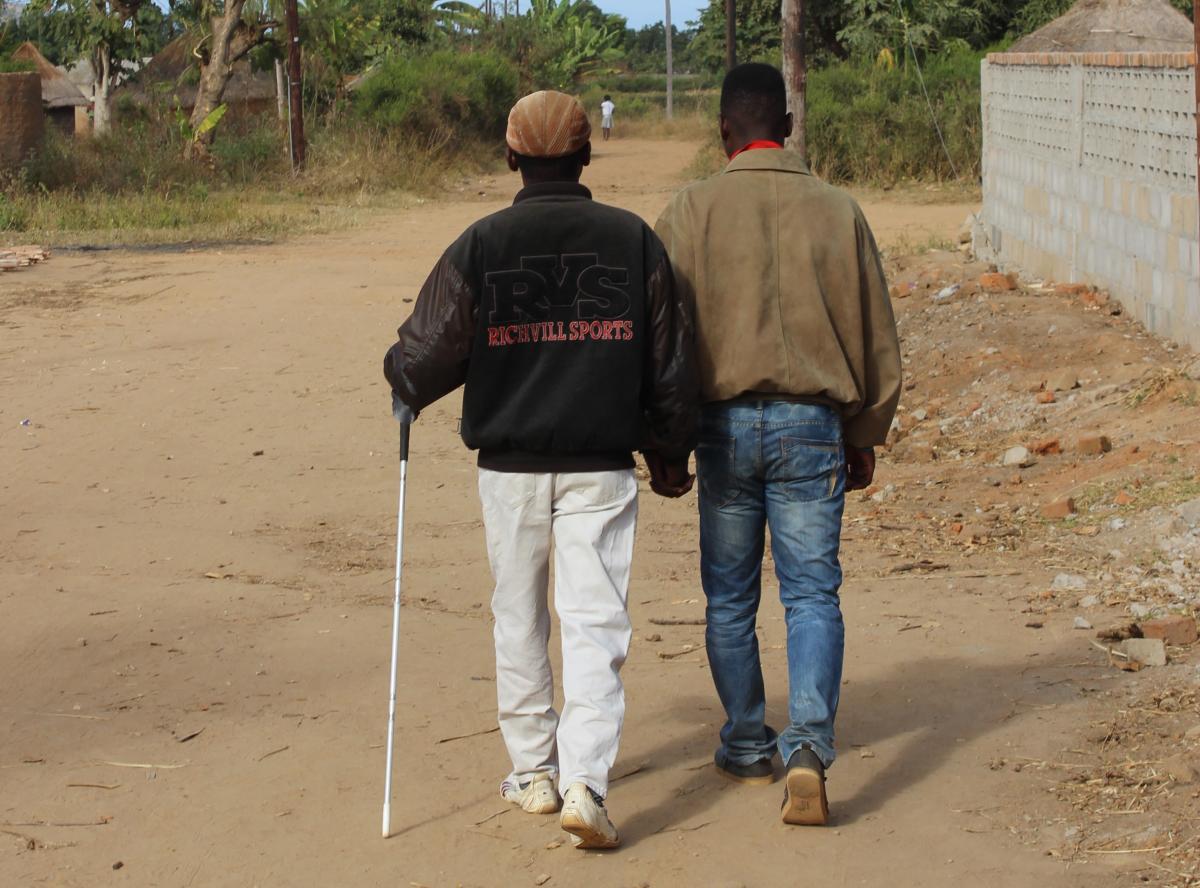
1089,175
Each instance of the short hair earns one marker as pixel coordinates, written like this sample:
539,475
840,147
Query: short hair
754,93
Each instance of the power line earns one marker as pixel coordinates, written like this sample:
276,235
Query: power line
924,91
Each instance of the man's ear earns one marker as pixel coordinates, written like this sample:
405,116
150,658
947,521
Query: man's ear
789,123
726,134
511,157
585,156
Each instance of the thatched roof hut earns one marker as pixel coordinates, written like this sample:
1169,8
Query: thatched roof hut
62,102
1113,26
57,89
174,75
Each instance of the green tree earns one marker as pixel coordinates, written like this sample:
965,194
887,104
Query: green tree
925,25
106,32
757,33
555,42
645,49
226,32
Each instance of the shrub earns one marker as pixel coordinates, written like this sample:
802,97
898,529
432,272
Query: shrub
9,65
870,124
443,94
12,216
144,153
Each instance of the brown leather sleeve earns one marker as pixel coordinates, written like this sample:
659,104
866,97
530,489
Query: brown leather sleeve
430,359
671,398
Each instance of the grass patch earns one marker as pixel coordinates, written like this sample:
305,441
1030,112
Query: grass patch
1170,491
119,190
141,219
904,244
1151,386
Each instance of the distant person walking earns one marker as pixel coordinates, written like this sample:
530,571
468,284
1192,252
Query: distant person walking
800,374
606,115
559,315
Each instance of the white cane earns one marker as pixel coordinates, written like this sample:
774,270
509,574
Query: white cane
391,728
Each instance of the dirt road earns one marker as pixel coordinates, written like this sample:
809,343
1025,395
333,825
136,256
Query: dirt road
195,587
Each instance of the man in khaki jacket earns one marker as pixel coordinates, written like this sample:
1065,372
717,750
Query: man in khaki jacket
800,374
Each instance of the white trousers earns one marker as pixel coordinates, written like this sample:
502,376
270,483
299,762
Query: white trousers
590,517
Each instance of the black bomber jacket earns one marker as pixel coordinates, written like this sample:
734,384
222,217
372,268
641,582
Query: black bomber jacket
560,316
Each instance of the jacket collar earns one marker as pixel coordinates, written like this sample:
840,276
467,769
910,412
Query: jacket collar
785,161
553,189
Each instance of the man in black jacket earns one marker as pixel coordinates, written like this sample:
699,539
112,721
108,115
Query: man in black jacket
560,316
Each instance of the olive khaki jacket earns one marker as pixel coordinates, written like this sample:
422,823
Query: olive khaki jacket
790,295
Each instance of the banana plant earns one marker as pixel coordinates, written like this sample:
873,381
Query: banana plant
586,34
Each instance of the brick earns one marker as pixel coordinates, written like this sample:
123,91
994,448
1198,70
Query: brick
1123,498
1046,397
1071,289
1176,629
1048,447
995,282
1059,509
900,291
1093,299
1094,445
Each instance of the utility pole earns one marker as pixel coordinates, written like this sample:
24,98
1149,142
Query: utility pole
295,94
795,72
730,34
670,63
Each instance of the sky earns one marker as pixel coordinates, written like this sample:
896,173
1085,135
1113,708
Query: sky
647,12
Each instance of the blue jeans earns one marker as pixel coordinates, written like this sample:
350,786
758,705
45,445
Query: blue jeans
782,465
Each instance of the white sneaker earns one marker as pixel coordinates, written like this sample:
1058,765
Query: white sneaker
585,818
538,796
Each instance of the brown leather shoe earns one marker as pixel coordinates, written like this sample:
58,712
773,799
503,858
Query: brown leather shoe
804,801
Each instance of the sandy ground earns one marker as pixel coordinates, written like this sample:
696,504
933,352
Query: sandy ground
195,579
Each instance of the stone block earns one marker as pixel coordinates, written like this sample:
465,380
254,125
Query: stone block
1141,205
1147,651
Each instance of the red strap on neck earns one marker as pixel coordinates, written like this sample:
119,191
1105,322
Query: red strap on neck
756,145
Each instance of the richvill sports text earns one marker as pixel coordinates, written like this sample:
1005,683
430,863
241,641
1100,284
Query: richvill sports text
560,331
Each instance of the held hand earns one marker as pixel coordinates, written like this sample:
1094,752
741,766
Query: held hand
403,413
669,479
860,467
